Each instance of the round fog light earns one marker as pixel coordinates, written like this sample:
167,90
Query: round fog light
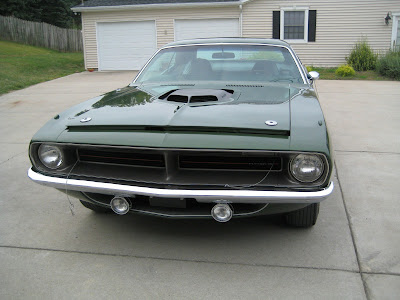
222,212
119,205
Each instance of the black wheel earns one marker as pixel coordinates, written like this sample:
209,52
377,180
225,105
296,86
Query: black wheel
305,217
95,208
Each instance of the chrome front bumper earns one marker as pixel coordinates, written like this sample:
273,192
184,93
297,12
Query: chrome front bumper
204,196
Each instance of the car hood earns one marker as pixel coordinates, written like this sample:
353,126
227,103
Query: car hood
140,108
142,116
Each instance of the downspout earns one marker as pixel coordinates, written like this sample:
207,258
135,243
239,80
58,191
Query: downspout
241,20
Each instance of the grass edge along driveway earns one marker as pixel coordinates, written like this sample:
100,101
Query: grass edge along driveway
23,65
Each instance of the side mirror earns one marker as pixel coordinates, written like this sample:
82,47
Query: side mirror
313,75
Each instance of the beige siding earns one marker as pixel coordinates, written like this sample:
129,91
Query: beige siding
164,23
340,24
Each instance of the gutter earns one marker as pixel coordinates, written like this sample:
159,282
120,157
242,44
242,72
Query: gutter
156,6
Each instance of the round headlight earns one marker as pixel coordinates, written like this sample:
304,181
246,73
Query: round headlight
306,167
50,156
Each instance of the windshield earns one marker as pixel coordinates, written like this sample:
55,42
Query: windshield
243,63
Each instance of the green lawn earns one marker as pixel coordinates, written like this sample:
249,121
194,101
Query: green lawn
329,73
23,65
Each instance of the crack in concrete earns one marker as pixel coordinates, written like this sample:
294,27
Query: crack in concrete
363,280
12,157
382,273
180,260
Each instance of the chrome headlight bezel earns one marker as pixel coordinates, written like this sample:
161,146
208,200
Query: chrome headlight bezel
313,160
68,158
51,156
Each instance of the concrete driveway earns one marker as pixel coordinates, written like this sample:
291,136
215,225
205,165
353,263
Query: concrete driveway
352,252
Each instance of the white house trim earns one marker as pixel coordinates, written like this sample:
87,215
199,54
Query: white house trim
282,25
395,21
154,6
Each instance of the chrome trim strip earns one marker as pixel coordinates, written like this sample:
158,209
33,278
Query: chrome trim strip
206,196
296,60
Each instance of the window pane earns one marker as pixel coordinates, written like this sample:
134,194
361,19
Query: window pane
294,25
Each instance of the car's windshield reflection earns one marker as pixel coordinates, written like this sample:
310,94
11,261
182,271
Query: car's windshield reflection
256,63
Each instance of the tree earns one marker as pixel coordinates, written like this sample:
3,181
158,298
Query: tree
24,9
55,12
75,18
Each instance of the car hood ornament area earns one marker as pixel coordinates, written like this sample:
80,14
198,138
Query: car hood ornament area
87,119
271,123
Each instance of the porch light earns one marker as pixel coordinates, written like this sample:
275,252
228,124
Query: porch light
387,18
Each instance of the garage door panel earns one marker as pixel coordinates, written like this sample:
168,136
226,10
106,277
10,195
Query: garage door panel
206,28
125,45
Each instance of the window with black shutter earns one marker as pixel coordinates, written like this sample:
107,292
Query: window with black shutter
294,24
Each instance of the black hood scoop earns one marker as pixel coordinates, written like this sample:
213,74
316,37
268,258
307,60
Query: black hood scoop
197,95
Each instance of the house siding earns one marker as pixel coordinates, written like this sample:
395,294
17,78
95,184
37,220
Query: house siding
164,24
340,24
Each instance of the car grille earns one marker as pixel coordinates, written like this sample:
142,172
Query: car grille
180,168
247,163
200,161
122,158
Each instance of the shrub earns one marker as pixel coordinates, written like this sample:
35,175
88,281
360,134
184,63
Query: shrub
345,70
389,65
362,57
309,69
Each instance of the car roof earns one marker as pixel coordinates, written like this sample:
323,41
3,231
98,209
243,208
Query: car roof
229,40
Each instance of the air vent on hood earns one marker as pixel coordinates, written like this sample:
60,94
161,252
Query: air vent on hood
197,95
178,98
204,98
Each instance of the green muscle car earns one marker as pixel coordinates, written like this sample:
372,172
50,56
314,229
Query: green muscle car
209,128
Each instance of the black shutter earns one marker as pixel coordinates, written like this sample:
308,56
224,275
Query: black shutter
312,25
276,24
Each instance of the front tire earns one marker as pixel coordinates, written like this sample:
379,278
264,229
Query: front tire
305,217
95,208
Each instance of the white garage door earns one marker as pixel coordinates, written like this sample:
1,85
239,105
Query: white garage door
191,29
125,45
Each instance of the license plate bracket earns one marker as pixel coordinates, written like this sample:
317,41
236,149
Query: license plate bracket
168,202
